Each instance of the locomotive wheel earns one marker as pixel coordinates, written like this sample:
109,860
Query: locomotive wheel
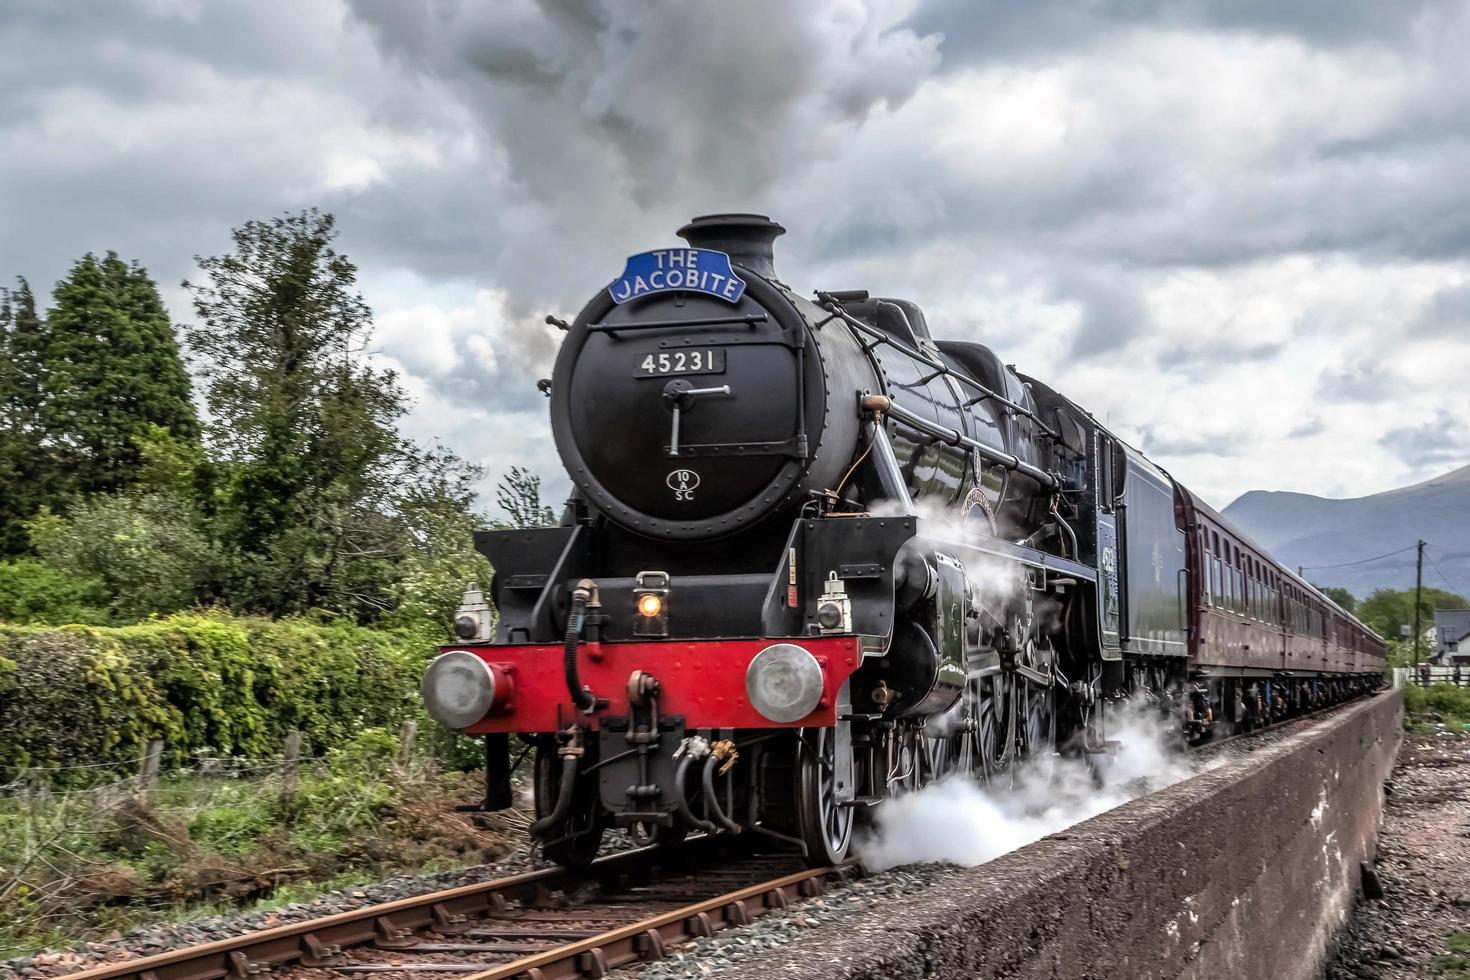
1039,728
823,826
976,749
995,731
944,755
576,842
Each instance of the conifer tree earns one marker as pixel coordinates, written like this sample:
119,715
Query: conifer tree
109,369
25,477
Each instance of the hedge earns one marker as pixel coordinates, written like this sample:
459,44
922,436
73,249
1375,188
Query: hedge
203,682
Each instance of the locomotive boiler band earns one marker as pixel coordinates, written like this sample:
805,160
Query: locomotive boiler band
815,557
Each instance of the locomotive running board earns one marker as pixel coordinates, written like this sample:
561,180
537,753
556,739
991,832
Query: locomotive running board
1027,556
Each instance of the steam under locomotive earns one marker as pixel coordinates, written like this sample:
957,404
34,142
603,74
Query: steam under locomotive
815,557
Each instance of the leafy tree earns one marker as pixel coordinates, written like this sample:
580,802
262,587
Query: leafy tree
314,479
108,369
145,547
439,560
23,473
519,494
1341,596
1386,610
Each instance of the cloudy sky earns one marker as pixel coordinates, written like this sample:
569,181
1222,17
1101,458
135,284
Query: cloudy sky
1238,230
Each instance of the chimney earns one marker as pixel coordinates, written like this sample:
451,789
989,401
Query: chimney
746,238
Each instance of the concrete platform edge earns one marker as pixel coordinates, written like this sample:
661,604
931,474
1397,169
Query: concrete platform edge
1247,870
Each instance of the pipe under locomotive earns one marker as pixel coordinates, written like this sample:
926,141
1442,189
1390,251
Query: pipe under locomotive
815,557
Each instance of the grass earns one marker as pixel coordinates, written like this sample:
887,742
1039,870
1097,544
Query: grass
87,864
1454,965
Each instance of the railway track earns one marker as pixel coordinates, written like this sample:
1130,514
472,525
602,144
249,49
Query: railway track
542,925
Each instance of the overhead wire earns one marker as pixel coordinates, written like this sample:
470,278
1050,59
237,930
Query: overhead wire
1361,561
1453,586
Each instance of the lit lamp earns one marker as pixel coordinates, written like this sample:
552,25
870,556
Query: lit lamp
650,604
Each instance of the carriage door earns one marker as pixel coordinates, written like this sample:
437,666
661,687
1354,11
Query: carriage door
1104,490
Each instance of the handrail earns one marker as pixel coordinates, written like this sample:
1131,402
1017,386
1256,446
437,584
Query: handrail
829,303
953,438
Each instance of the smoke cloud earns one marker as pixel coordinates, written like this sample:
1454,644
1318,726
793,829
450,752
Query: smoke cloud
959,821
615,123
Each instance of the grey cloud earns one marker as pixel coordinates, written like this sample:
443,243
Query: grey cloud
1312,425
993,30
1214,352
1113,312
1192,444
1359,381
132,49
1437,443
1447,313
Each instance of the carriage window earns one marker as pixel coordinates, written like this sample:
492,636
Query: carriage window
1105,473
1204,566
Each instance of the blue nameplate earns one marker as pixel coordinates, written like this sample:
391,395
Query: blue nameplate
674,270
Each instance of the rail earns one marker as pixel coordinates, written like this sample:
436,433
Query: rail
513,919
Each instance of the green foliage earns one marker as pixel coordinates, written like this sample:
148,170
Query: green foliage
109,369
169,462
302,423
1341,596
33,592
519,494
1450,703
80,865
147,548
1386,610
307,500
235,827
203,683
82,389
1454,965
22,470
438,525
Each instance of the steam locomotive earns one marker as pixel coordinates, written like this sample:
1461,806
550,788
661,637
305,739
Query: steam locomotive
815,557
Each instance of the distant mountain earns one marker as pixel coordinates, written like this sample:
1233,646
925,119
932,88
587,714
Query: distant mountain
1300,529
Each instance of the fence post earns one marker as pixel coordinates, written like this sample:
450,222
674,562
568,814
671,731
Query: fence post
148,767
406,736
290,765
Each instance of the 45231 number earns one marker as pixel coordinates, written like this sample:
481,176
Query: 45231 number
706,361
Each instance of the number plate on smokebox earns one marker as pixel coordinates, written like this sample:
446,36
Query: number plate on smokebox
696,360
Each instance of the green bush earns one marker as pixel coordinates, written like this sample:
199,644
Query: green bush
32,591
215,683
1449,702
148,548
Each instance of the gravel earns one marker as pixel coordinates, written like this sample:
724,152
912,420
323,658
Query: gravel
703,957
1422,862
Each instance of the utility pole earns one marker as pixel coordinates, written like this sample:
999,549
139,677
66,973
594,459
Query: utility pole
1418,594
